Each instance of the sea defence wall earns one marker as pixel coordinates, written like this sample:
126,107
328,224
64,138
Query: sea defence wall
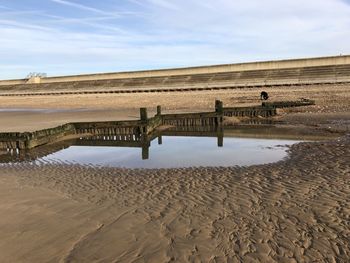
324,70
263,65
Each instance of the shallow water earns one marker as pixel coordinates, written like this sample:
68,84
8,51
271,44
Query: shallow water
177,152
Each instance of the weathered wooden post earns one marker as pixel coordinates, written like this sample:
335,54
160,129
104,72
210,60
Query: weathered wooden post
159,110
145,143
143,114
144,124
220,140
220,136
219,109
145,152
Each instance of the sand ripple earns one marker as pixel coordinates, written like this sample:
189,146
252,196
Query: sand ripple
296,210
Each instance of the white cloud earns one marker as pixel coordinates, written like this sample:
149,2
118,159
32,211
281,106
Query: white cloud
160,33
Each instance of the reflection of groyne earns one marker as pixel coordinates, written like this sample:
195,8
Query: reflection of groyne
25,155
115,140
134,131
196,131
130,141
28,140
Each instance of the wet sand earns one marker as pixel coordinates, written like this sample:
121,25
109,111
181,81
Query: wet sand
295,210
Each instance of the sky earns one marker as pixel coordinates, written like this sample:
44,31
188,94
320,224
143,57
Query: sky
65,37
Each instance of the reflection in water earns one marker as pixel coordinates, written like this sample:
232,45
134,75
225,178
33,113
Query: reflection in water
168,151
180,152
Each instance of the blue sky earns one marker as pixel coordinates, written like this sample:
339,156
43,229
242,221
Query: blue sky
62,37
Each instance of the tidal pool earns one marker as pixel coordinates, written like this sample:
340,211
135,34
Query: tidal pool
174,152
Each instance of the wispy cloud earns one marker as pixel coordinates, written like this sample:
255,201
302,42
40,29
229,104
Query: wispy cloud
164,4
12,13
93,22
79,6
71,37
91,9
14,24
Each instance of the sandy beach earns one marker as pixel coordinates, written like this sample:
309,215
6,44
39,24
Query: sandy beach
332,102
294,210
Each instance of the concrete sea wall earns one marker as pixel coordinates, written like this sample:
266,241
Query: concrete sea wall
239,67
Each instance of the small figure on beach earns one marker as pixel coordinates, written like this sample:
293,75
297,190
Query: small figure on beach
264,95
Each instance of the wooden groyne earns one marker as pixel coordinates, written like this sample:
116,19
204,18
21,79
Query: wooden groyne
288,104
137,132
192,119
263,111
143,126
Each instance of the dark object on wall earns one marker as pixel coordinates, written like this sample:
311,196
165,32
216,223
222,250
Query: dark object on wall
264,95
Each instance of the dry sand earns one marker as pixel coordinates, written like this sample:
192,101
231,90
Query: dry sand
295,210
330,99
